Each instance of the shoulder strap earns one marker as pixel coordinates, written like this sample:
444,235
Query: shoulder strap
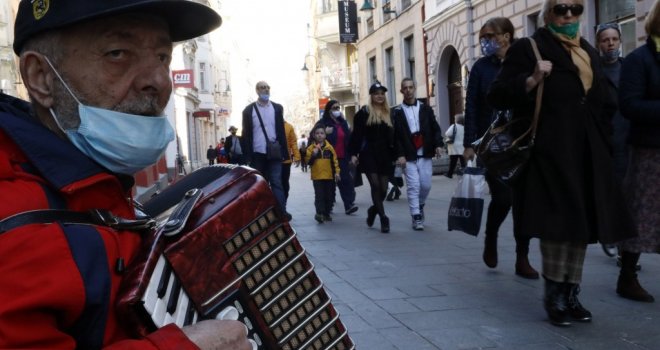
92,217
537,104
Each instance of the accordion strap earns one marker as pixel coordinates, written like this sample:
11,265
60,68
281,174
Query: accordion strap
92,217
537,104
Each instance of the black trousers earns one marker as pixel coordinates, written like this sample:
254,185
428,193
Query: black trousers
324,196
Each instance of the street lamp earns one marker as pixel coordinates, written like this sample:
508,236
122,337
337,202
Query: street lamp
368,6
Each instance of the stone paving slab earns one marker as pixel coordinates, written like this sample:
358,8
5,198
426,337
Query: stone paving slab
430,289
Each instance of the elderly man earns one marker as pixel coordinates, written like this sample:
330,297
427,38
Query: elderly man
264,140
97,72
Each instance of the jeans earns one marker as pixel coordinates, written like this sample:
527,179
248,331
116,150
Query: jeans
272,171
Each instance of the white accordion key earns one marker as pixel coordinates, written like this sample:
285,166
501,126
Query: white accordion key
228,313
160,311
181,309
151,295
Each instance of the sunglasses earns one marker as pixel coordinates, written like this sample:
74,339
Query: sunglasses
562,9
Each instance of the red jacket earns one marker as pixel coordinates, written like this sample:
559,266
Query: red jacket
58,283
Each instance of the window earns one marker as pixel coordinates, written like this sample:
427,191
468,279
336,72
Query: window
387,6
389,74
202,76
622,12
326,6
370,25
405,4
409,57
372,70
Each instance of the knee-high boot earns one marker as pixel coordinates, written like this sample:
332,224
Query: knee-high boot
627,285
490,250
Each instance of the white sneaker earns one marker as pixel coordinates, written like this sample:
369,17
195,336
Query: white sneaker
417,223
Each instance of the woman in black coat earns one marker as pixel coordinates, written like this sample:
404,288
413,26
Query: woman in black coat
371,147
639,99
568,196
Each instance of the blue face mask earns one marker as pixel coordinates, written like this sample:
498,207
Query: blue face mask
264,97
121,142
610,56
489,47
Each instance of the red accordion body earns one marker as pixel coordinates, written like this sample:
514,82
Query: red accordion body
235,258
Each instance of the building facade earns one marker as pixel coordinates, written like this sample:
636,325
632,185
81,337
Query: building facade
452,27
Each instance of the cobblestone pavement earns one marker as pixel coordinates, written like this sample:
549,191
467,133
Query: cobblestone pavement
430,289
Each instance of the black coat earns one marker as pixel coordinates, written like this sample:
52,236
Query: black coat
478,113
247,136
639,95
372,144
428,126
568,192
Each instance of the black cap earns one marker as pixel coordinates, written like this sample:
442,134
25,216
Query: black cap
376,86
232,128
186,19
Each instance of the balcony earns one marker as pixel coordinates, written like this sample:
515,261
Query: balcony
338,79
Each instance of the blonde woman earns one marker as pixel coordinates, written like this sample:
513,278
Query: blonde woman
372,149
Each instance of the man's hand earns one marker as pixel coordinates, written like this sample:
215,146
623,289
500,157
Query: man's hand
218,335
468,153
329,130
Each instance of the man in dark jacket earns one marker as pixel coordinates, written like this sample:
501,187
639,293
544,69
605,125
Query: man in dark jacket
263,123
211,154
233,146
417,138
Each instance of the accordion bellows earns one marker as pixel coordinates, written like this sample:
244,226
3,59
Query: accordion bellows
235,258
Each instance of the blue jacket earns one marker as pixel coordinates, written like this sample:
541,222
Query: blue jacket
478,113
639,95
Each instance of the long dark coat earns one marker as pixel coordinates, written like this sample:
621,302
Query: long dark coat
568,192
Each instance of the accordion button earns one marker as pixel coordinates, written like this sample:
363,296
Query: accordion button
254,344
228,313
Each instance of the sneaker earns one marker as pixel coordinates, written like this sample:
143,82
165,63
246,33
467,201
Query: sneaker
352,209
417,223
327,217
319,218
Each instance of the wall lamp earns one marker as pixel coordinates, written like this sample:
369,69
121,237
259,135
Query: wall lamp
305,69
369,6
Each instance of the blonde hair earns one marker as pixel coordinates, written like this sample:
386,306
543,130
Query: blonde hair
378,114
652,23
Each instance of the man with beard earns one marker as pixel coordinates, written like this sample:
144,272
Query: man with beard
97,73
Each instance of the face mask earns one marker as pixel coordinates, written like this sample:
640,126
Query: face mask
570,30
610,56
336,114
264,97
489,47
121,142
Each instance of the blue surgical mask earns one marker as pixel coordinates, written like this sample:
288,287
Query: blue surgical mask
264,97
610,56
122,143
336,114
489,47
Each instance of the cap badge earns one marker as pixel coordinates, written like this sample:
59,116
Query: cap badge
39,8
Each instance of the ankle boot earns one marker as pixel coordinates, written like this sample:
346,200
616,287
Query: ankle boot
555,303
384,224
575,309
490,251
371,215
523,268
627,286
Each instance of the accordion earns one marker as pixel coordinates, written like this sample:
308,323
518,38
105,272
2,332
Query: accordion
224,251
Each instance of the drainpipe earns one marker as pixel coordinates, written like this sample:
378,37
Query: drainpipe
426,59
470,27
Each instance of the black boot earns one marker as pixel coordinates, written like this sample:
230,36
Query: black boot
555,303
371,215
384,224
627,285
575,309
490,250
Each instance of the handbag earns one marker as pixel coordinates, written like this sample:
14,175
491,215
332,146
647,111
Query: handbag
467,204
273,148
504,155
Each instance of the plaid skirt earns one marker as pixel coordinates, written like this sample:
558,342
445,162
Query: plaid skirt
641,190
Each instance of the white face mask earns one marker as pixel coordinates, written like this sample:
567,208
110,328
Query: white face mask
121,142
336,114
